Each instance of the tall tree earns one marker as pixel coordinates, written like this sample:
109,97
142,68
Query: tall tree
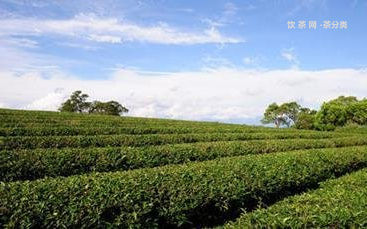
334,113
273,115
284,114
340,111
76,103
357,112
290,112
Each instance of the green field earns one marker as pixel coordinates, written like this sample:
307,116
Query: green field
61,170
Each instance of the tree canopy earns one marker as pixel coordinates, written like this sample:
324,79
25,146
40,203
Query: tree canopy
108,108
341,111
78,103
306,119
284,114
338,112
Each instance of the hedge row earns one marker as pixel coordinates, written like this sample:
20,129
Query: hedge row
54,116
106,119
53,119
105,122
353,129
57,116
137,123
193,194
20,142
34,164
338,203
12,126
92,130
61,118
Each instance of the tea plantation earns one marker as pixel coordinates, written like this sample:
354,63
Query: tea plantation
64,170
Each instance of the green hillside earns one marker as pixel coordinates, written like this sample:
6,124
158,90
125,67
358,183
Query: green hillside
85,171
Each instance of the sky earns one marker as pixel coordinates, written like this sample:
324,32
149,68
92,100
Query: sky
184,59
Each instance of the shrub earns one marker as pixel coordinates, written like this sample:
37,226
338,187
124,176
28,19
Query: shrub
338,203
192,194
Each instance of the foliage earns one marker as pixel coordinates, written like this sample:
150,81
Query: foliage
340,111
31,142
335,113
357,112
196,193
352,129
92,129
107,108
34,164
338,203
273,115
204,174
76,103
306,119
285,114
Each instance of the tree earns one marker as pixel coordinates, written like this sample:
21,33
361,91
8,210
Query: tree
357,112
306,119
76,103
273,115
285,114
290,111
335,113
344,110
107,108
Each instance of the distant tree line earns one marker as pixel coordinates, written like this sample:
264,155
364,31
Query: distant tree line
78,103
338,112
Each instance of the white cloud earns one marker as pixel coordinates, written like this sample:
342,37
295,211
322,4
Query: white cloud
213,62
112,30
256,61
253,60
213,94
20,55
105,38
306,5
3,105
227,16
79,45
186,10
290,56
230,9
51,101
249,60
17,42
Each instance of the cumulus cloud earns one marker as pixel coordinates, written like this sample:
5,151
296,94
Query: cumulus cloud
112,30
213,94
50,102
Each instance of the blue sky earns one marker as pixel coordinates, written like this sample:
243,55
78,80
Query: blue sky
155,43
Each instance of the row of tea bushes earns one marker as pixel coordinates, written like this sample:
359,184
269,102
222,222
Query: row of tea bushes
23,118
41,130
193,194
38,163
338,203
31,142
